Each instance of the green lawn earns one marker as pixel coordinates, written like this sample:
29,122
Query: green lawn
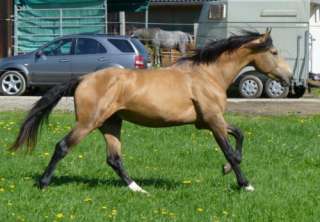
315,92
180,167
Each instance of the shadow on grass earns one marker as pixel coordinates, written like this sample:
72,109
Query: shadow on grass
93,182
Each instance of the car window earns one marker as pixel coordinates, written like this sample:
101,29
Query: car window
89,46
121,44
139,46
58,48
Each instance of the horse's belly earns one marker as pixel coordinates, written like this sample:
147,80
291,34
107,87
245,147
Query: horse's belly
158,119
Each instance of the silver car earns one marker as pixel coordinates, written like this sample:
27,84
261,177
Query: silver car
69,57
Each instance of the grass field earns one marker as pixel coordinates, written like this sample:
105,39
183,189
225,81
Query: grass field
180,167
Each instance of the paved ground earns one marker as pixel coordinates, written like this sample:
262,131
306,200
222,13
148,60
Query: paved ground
304,106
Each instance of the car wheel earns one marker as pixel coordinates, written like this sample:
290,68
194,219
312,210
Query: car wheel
13,83
298,92
250,87
274,89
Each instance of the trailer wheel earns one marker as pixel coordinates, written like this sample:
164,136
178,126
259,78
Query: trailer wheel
250,86
298,92
274,89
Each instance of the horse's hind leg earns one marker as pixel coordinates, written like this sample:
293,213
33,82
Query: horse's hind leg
61,150
237,134
111,130
219,129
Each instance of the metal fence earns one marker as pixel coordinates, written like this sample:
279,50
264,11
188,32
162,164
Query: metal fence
34,27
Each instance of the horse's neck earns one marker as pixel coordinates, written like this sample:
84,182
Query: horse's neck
228,66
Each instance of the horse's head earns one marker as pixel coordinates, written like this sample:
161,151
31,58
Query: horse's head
267,60
190,42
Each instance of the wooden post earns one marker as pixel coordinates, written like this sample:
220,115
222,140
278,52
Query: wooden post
106,16
146,24
122,19
6,10
195,31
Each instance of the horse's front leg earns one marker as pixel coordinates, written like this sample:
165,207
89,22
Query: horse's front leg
237,134
219,129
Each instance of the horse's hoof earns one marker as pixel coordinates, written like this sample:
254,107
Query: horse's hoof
226,168
136,188
249,188
41,185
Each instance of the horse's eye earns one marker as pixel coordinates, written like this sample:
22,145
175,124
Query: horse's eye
274,52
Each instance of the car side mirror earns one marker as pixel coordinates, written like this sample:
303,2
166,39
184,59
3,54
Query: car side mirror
39,53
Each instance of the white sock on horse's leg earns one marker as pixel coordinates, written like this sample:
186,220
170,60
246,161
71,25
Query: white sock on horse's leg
136,188
249,188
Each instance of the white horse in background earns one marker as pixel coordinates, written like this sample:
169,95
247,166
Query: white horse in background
159,38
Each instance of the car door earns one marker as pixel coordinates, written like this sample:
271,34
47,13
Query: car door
90,55
52,63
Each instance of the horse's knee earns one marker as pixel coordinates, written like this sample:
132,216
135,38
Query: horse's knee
61,149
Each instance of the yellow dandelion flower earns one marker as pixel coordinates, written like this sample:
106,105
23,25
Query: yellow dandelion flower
12,186
114,211
302,121
80,157
87,199
46,154
104,207
186,182
2,189
199,209
164,211
59,215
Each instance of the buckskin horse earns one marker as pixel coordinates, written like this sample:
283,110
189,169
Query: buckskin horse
191,91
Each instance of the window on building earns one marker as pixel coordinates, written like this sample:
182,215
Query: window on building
217,12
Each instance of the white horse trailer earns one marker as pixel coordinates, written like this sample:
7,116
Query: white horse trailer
289,20
315,37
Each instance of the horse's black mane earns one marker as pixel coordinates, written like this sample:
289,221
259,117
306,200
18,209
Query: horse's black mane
211,51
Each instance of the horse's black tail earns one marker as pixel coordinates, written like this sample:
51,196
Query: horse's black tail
40,112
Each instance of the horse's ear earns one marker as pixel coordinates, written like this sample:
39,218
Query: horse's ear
267,34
